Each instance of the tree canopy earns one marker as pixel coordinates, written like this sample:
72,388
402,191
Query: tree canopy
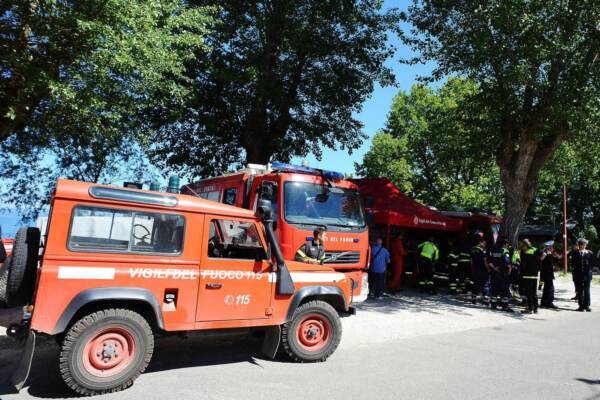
537,64
77,80
433,149
282,79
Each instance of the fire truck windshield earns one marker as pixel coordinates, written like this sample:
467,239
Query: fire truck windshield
314,204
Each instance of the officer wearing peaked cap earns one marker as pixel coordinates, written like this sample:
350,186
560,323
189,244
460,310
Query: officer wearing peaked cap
582,272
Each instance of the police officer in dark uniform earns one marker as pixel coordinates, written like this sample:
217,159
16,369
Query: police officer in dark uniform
547,275
500,275
582,274
480,273
530,267
313,251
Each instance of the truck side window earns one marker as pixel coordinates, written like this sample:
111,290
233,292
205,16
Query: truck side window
157,233
234,240
213,196
229,196
100,229
113,230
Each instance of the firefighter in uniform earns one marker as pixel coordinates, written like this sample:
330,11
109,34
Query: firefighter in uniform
480,273
464,270
313,251
530,267
500,276
453,269
428,254
515,268
582,274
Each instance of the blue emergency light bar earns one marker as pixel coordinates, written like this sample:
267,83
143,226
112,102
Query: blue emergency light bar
284,167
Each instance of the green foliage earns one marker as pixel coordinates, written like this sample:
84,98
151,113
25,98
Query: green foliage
281,79
537,65
79,79
433,149
576,163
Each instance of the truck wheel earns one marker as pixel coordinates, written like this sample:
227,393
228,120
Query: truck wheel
4,282
22,270
313,334
106,351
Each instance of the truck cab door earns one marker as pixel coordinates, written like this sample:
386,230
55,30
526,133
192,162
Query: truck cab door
235,275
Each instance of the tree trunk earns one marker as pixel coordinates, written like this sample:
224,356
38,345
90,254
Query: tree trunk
519,170
517,202
257,152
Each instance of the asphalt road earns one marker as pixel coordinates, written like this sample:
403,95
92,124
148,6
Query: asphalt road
552,355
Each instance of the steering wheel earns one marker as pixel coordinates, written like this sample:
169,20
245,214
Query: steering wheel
143,237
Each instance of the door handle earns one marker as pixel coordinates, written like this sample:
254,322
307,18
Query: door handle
214,285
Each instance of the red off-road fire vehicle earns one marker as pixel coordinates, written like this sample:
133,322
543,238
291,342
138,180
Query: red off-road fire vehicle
303,198
120,265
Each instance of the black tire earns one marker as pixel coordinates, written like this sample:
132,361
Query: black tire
22,270
71,361
290,337
4,282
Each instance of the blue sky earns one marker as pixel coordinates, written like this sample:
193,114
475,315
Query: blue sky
375,109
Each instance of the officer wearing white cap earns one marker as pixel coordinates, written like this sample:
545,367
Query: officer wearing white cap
582,274
547,275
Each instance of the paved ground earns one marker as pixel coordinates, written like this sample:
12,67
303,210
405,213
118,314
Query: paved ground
407,346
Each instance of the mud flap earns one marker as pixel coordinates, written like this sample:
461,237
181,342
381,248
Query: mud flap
21,374
271,341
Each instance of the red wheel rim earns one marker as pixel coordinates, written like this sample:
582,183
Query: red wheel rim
108,352
314,332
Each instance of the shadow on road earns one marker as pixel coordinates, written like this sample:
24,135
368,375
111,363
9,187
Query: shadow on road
170,353
414,301
593,383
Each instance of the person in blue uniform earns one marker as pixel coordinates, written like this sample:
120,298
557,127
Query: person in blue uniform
380,258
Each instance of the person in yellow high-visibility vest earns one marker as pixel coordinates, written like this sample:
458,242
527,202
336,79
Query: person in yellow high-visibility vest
427,255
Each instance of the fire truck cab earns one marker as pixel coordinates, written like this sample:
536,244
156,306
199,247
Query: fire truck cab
303,199
120,266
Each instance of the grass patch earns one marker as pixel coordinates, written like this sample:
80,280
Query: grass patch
596,280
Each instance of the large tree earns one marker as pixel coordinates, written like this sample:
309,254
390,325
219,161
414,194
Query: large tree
76,81
283,78
433,148
538,66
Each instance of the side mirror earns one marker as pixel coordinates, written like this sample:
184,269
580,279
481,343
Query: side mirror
264,210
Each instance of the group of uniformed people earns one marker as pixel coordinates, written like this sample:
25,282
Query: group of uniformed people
494,277
488,277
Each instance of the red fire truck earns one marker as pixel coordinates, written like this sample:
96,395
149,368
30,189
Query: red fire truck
303,198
